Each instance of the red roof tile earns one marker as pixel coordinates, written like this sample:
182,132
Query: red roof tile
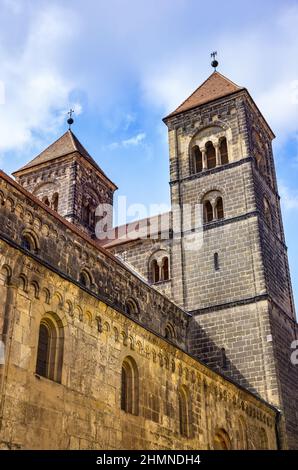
216,86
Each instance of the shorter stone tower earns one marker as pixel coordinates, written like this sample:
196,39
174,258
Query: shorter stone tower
66,178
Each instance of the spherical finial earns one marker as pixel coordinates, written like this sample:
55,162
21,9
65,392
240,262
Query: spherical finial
214,62
70,120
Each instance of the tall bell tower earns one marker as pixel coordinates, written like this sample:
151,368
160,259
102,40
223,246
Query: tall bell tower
66,178
236,283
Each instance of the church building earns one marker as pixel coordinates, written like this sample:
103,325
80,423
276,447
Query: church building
179,339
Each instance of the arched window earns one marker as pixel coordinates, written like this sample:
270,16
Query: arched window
263,440
197,159
221,440
241,435
85,279
219,211
165,269
208,211
50,349
131,307
184,412
267,212
216,261
155,271
46,201
223,150
169,332
26,243
211,155
88,215
130,386
55,201
29,242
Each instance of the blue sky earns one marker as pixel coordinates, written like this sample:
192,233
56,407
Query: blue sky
123,65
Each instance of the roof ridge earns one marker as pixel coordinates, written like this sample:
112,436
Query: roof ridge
72,139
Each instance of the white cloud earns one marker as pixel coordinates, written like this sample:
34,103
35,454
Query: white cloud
134,141
289,197
36,91
262,59
131,142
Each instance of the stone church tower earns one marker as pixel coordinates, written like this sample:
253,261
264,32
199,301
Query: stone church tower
66,178
237,285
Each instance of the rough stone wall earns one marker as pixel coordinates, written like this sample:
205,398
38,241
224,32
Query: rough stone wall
84,412
69,252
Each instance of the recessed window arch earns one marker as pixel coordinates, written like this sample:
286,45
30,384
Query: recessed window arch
241,435
223,151
155,271
46,201
184,411
85,278
88,214
165,269
159,267
131,307
219,210
50,348
55,202
208,211
263,439
29,242
197,159
221,440
210,155
170,332
130,386
213,208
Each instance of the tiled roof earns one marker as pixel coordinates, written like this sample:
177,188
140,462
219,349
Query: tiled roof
216,86
67,144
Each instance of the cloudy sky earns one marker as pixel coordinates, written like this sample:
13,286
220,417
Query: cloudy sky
124,64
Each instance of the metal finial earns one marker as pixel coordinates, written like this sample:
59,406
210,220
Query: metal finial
70,120
214,62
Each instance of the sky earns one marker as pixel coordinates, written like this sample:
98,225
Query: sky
122,65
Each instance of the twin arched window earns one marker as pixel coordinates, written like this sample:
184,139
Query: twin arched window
88,215
213,209
159,269
50,349
130,386
209,156
54,201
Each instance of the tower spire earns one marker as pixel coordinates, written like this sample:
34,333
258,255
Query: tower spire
70,120
214,62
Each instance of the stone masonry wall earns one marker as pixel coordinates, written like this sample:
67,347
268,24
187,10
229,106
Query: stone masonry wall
84,412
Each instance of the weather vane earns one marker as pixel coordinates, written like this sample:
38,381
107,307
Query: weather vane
70,120
214,62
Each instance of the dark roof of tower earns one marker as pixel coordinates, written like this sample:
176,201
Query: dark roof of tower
67,144
216,86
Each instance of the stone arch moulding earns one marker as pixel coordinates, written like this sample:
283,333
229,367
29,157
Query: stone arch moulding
202,136
47,185
32,238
